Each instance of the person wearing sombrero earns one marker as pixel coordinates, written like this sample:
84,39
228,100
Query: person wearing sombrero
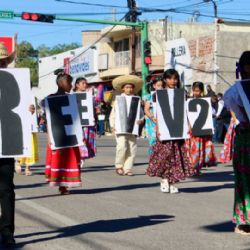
127,85
7,166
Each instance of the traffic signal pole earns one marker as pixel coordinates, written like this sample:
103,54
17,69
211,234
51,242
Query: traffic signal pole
143,26
144,66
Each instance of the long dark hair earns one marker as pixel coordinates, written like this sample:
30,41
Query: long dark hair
78,80
244,60
169,73
199,85
153,80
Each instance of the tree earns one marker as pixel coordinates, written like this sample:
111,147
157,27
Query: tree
27,57
59,48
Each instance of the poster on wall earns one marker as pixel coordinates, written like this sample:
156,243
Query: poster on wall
200,116
171,114
127,114
15,118
177,56
64,124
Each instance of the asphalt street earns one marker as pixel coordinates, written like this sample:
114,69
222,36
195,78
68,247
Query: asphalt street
118,212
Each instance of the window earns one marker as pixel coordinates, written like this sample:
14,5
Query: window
122,45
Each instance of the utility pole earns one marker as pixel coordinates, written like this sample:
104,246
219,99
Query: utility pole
132,17
216,26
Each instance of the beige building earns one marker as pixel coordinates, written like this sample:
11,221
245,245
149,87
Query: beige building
214,49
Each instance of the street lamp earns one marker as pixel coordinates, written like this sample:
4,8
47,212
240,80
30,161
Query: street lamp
215,7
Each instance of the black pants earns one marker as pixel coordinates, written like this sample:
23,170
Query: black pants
7,196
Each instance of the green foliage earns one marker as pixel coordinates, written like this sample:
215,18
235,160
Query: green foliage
27,56
47,51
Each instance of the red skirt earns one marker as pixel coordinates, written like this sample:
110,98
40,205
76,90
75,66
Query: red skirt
201,152
62,167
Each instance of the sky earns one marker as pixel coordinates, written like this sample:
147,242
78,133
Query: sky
67,32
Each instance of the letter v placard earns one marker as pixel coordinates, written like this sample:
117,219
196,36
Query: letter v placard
171,114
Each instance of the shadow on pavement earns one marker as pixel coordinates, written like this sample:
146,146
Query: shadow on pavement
119,188
227,226
100,226
33,185
96,190
215,176
106,167
206,189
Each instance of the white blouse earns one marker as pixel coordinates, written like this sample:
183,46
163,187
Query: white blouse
232,101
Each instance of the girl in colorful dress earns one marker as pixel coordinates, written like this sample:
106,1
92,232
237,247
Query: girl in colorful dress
169,159
226,153
150,112
62,165
241,156
88,150
200,148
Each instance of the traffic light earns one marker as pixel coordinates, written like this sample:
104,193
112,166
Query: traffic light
147,52
37,17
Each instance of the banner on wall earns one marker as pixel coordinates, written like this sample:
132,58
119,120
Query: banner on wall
177,56
15,118
127,114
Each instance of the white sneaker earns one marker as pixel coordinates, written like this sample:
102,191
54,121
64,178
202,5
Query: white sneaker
173,189
164,186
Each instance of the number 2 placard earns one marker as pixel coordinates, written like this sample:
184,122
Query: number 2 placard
200,116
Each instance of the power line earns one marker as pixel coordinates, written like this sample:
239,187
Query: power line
89,47
92,4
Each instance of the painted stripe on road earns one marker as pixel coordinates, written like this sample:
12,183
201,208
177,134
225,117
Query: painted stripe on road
59,217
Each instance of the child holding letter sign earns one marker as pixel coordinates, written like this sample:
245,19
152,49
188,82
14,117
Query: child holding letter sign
241,157
169,159
62,165
128,119
200,148
88,150
149,109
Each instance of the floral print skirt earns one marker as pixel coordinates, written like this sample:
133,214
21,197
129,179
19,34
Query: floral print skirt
241,164
88,150
201,152
169,161
226,153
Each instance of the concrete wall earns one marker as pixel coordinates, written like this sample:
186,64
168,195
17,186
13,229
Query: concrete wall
233,39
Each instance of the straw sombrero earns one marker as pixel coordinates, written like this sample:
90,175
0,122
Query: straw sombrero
4,55
120,81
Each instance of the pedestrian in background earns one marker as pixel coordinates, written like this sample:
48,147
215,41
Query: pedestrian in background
241,156
210,92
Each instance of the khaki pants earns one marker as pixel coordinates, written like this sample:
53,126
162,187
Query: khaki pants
126,149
